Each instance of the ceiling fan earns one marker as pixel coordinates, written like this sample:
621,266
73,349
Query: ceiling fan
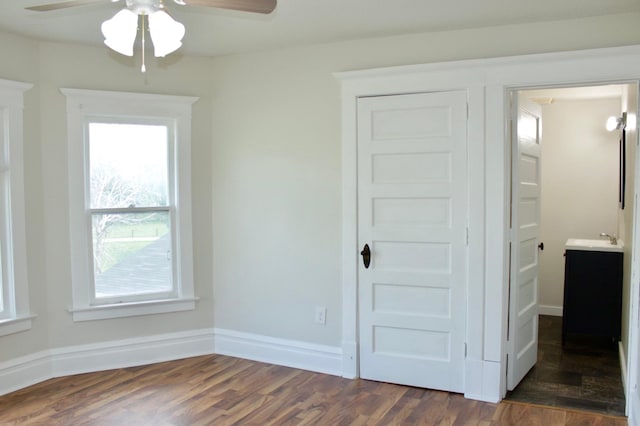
121,30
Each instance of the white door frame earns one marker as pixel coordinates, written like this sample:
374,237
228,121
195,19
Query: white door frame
487,83
636,177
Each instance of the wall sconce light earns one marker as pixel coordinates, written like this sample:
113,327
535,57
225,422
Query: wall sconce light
617,123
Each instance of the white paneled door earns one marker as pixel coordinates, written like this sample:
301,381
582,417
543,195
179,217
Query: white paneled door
412,230
525,228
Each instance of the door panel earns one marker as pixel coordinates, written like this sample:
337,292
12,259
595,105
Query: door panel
523,312
412,211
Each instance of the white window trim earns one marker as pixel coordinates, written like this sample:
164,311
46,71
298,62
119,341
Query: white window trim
83,103
11,111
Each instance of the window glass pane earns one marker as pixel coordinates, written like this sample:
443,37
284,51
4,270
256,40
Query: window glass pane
5,214
128,165
131,254
3,288
5,281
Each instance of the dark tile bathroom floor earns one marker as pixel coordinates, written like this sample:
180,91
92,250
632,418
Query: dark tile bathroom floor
579,375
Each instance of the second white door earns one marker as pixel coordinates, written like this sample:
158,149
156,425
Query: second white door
412,214
525,227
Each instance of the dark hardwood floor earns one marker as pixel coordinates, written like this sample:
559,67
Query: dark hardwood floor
580,375
219,390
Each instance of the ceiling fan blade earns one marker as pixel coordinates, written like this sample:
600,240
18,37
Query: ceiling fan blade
255,6
61,5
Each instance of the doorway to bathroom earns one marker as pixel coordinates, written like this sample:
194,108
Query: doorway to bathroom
581,192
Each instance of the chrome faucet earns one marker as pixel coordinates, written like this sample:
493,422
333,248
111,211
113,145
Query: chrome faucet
612,238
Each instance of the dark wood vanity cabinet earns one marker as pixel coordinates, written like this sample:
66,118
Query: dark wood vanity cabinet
592,295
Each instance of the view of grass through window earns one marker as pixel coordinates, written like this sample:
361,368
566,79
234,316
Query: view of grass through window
124,239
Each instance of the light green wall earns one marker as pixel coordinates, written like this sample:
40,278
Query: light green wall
276,164
50,66
266,170
629,104
93,68
19,63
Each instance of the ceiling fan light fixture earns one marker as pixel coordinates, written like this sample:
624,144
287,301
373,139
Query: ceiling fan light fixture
120,32
166,33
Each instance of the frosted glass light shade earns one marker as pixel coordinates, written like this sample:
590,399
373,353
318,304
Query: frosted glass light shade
617,123
166,33
120,32
612,123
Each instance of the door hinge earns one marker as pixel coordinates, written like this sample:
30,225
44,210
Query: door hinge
467,110
467,237
465,349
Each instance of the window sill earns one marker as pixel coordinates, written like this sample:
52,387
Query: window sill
15,325
121,310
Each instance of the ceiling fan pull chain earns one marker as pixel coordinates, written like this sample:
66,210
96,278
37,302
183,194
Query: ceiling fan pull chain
144,68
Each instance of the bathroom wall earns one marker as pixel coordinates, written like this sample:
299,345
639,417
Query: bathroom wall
579,184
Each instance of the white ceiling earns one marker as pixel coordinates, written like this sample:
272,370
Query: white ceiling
296,22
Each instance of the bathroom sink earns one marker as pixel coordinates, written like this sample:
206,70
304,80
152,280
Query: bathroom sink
592,245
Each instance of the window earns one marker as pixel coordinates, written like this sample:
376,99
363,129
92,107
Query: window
130,203
130,214
15,315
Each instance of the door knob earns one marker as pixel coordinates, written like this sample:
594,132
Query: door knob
541,246
366,256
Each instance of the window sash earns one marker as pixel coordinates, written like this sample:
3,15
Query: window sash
94,300
7,305
127,296
6,299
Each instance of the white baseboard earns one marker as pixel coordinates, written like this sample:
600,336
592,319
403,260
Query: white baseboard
623,367
290,353
28,370
130,352
24,371
555,311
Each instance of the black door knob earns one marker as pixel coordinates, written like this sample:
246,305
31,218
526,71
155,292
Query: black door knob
366,256
541,246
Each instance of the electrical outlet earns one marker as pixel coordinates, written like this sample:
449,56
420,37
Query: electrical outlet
321,315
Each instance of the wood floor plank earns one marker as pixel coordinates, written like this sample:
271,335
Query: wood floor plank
225,391
582,419
513,414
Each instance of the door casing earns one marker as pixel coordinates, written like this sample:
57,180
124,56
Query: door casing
487,82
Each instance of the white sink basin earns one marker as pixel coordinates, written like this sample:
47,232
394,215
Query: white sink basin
592,245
